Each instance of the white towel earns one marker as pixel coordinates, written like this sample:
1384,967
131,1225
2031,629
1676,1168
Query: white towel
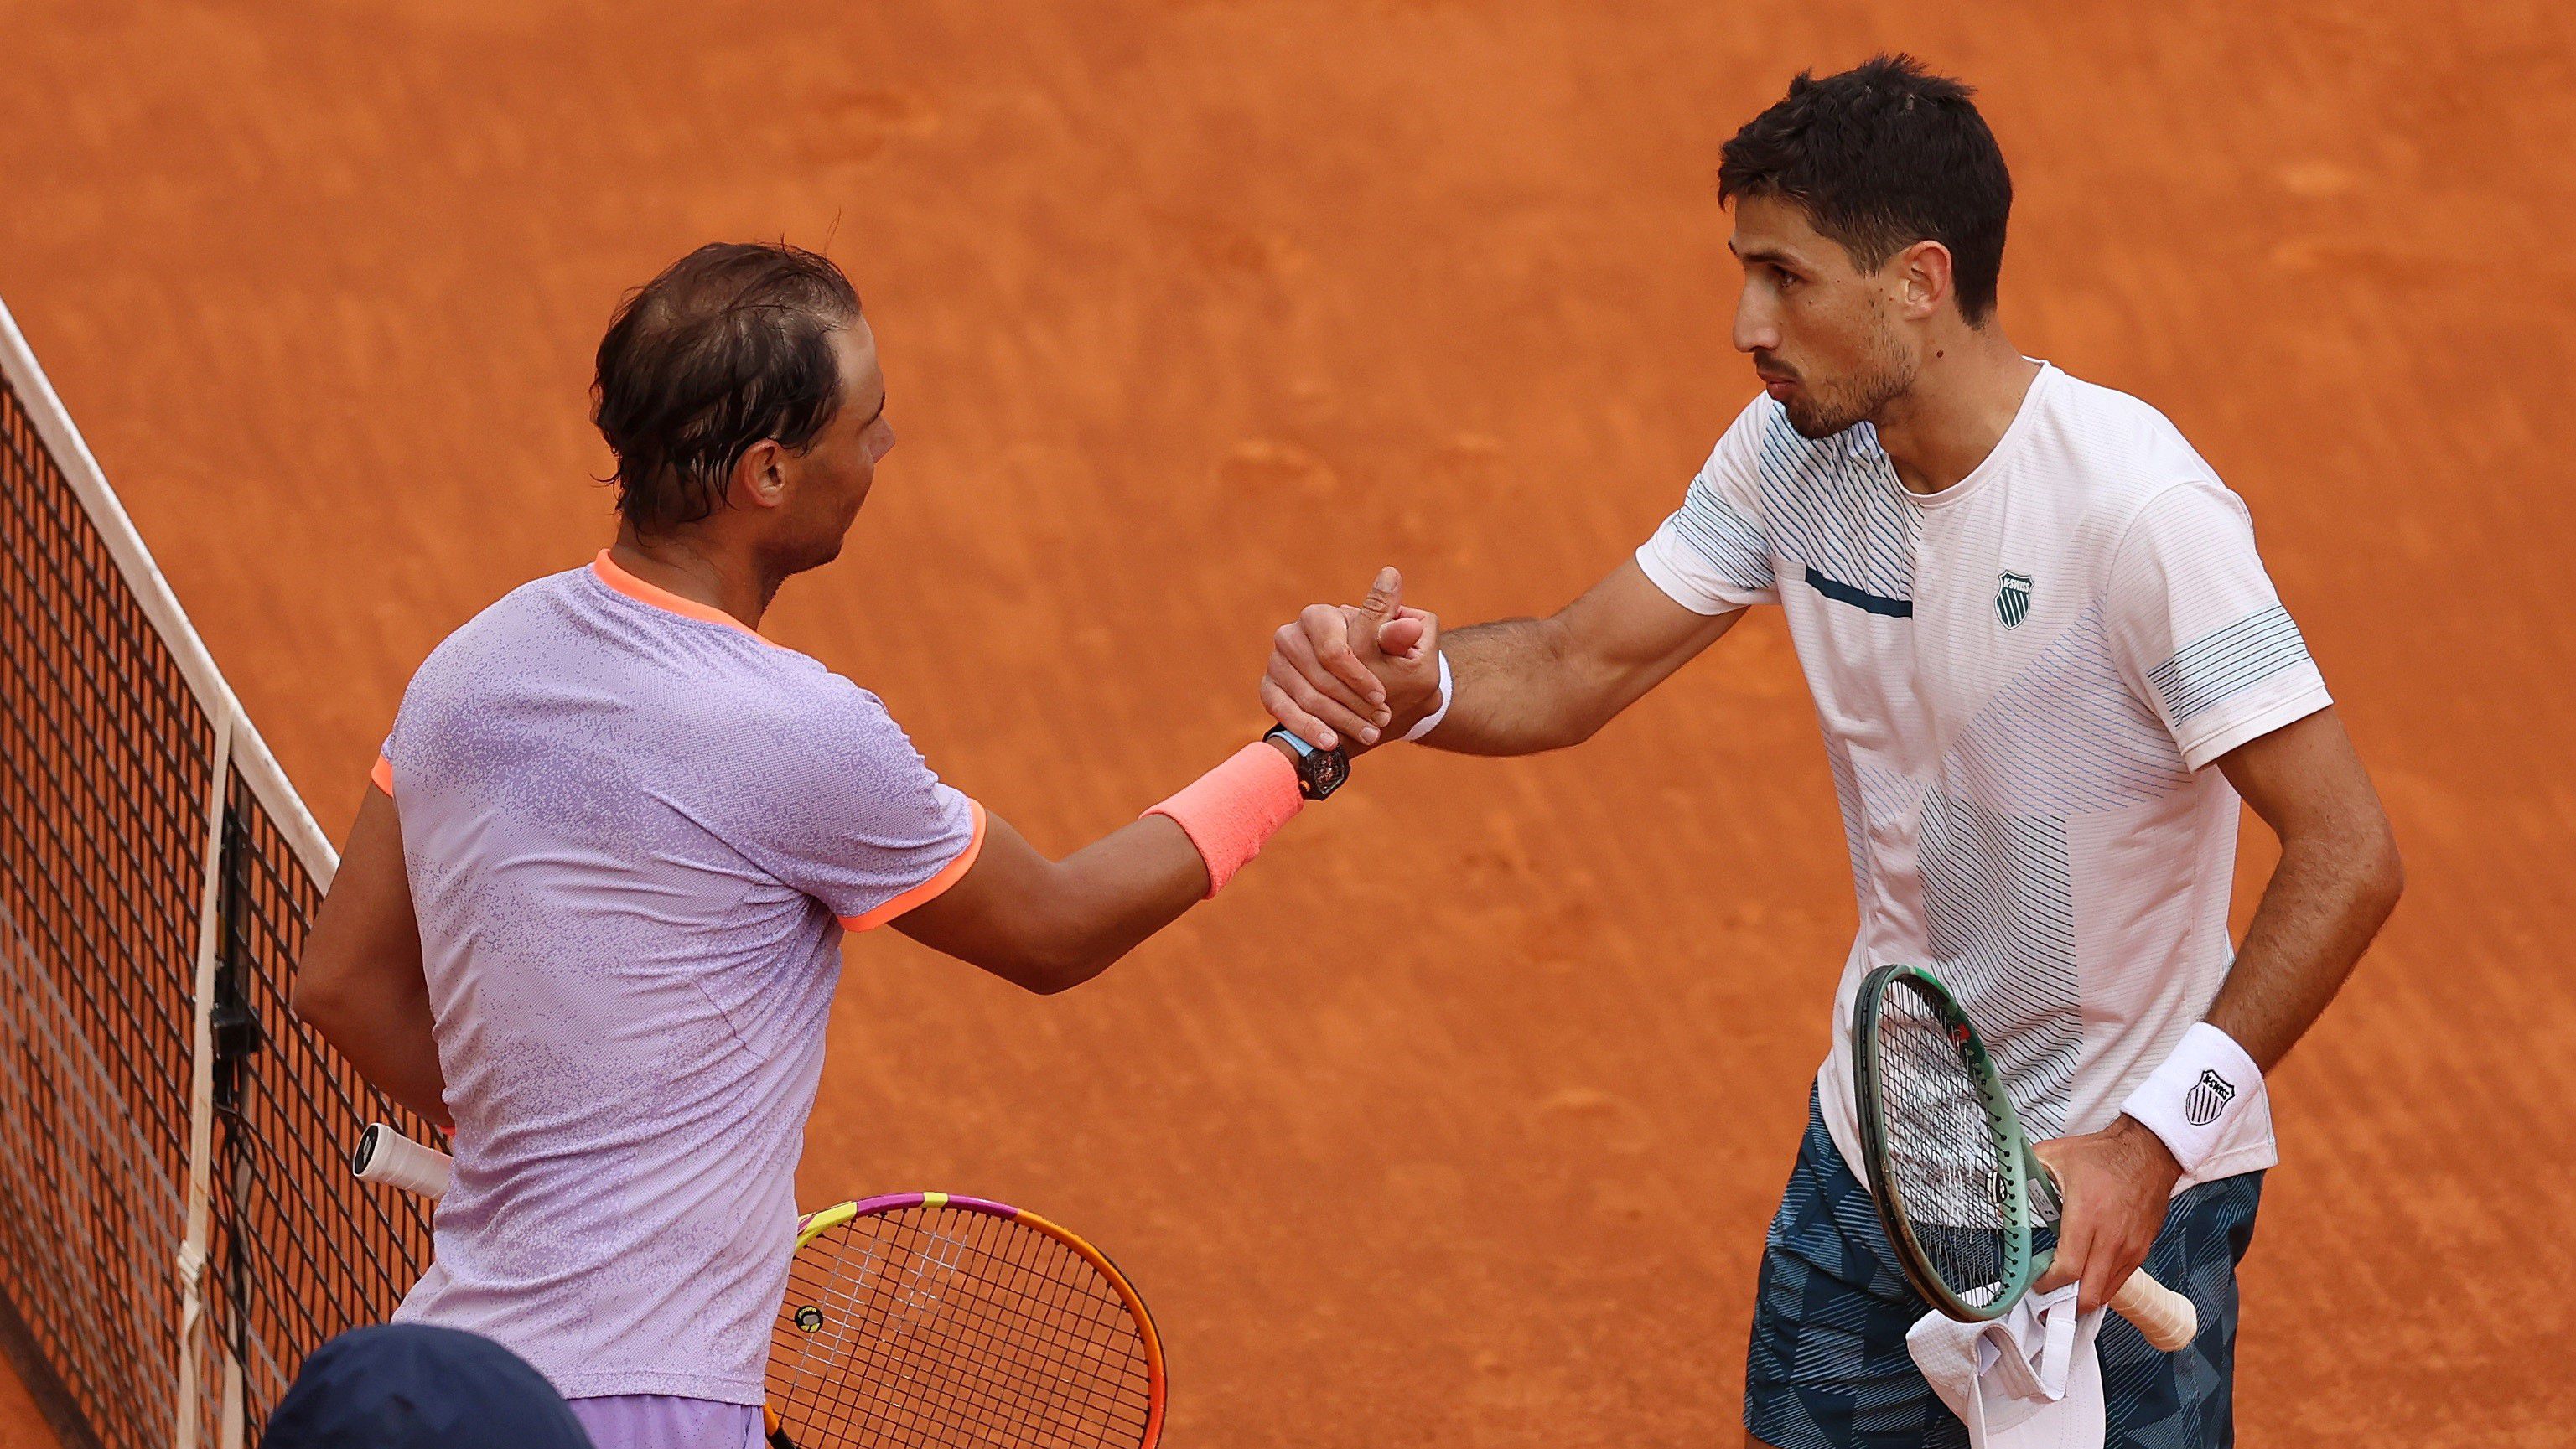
2027,1380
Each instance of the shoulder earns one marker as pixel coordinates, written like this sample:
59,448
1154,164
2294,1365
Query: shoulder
809,696
2113,445
799,719
2116,462
523,619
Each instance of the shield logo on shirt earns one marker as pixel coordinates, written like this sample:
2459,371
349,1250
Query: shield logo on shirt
2207,1098
2012,600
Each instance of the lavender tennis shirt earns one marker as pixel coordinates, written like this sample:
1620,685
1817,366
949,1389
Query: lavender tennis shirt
635,831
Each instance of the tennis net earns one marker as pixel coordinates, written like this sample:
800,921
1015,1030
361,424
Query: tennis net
178,1226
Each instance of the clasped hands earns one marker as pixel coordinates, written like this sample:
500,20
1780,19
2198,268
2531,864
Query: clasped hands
1350,677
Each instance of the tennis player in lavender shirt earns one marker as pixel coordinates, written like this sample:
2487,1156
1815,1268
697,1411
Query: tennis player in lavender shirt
591,912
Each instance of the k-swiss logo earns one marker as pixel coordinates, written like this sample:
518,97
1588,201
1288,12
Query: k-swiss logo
2012,600
2207,1098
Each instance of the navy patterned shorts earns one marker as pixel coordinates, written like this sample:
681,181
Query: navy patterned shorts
1828,1367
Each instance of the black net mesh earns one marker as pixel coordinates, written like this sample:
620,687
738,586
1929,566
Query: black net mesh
947,1326
106,756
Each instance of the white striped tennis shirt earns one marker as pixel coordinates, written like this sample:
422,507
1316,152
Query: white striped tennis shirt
2023,680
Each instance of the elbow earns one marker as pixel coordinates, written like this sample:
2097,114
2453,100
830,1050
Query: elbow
2388,873
1046,958
1052,972
2373,875
319,998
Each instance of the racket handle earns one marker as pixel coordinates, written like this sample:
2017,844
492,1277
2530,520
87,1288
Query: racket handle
385,1155
2166,1318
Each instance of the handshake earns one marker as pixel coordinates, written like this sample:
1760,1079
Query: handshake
1350,677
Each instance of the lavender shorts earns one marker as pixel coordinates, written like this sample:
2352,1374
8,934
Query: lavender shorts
660,1421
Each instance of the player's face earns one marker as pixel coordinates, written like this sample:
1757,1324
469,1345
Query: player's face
1822,332
832,478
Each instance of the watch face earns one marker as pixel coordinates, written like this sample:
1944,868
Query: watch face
1327,769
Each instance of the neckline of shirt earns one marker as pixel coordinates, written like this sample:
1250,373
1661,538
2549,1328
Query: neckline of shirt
1993,462
652,596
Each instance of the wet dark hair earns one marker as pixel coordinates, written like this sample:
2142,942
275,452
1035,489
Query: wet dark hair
1880,157
729,347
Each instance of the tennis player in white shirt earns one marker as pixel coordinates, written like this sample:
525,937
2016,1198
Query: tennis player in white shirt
2048,663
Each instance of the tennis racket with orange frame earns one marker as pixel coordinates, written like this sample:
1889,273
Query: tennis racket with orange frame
929,1319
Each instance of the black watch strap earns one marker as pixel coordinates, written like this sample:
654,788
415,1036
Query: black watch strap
1319,772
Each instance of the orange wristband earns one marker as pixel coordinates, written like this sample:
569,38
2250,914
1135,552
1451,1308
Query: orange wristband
1231,810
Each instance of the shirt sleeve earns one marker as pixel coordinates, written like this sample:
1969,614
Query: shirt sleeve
848,812
382,776
1713,555
2198,629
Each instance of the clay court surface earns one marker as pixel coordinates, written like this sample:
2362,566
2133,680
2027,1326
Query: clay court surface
1457,1121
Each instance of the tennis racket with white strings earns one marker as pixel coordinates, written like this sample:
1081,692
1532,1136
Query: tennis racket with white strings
929,1319
1958,1187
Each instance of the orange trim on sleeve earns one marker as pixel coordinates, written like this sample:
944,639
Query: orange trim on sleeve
661,598
929,890
383,775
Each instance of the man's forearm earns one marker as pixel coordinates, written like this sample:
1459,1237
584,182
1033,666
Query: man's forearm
1516,687
1525,685
2327,898
1512,690
1117,891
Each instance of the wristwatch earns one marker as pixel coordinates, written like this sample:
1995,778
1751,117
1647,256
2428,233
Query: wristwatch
1319,772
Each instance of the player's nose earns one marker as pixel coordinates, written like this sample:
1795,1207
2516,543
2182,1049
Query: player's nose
1754,331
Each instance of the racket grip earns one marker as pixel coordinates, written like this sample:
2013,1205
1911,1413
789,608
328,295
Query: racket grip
385,1155
2166,1318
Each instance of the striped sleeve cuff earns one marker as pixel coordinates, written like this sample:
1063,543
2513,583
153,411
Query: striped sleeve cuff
2237,684
2211,669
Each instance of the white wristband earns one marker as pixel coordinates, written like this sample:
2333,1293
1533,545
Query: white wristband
2200,1092
1432,720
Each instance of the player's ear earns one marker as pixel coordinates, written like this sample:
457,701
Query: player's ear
759,476
1924,280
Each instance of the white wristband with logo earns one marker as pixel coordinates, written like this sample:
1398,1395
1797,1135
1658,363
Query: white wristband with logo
2200,1093
1431,721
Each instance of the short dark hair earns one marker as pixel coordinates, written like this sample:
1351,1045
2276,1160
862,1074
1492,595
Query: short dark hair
728,347
1880,157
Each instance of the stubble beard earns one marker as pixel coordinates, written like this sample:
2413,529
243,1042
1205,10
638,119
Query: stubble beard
1885,377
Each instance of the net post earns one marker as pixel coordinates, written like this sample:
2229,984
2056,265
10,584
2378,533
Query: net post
198,1233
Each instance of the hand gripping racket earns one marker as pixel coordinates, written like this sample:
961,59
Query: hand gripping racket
1958,1187
931,1320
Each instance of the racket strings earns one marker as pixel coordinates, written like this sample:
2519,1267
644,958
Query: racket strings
1942,1157
908,1391
937,1391
951,1327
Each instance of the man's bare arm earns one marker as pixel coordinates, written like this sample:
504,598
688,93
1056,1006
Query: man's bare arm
2337,880
1046,925
359,982
1525,685
2339,876
1517,687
